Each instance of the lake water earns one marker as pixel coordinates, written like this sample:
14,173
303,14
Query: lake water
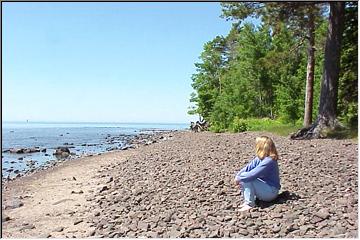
82,138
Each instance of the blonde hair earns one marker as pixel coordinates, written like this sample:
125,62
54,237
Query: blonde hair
265,147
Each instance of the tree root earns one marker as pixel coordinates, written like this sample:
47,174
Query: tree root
321,128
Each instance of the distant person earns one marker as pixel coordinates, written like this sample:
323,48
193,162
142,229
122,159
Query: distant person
260,178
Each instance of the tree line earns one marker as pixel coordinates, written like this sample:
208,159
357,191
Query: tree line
285,68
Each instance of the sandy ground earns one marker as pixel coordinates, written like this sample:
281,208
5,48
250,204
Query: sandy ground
182,186
52,200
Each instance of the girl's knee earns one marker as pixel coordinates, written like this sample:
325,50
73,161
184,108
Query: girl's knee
245,183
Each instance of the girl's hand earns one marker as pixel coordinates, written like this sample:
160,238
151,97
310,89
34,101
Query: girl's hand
238,184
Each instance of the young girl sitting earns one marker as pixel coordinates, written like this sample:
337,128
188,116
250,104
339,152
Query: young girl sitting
260,178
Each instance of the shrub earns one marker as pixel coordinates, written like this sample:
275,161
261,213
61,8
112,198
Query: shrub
239,125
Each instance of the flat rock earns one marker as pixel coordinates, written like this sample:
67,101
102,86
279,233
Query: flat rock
243,232
322,213
174,233
144,226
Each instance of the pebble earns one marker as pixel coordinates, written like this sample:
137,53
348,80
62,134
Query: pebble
58,229
276,229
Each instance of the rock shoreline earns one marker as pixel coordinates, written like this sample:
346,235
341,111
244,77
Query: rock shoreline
64,153
182,186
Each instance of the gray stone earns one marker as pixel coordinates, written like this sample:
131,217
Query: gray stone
214,234
144,226
339,230
27,227
276,229
316,219
16,203
304,228
174,233
243,232
168,216
58,229
61,151
322,213
124,229
152,234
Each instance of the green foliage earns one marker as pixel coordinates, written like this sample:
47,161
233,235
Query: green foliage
241,10
348,82
206,80
239,125
246,87
254,78
290,69
217,128
264,124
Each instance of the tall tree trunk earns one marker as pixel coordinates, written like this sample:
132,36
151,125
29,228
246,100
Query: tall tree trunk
310,70
329,86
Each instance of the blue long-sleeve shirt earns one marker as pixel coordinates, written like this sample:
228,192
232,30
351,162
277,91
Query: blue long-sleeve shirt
266,169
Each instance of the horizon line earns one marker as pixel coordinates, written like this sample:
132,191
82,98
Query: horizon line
89,122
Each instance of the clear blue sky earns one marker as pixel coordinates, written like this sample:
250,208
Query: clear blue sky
103,62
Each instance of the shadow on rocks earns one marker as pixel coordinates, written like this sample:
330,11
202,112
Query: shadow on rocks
282,198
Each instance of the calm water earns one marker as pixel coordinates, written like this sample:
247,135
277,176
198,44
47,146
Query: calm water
75,135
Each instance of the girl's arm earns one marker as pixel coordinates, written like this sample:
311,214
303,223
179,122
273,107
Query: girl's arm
264,166
251,165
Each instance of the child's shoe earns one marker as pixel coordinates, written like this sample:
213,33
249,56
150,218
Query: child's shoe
242,205
245,207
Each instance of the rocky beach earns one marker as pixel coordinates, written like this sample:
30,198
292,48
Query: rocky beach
181,184
30,147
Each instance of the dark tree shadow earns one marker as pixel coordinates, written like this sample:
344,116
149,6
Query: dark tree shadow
282,198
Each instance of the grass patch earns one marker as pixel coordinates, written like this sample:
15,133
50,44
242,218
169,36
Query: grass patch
263,124
280,128
284,130
349,133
